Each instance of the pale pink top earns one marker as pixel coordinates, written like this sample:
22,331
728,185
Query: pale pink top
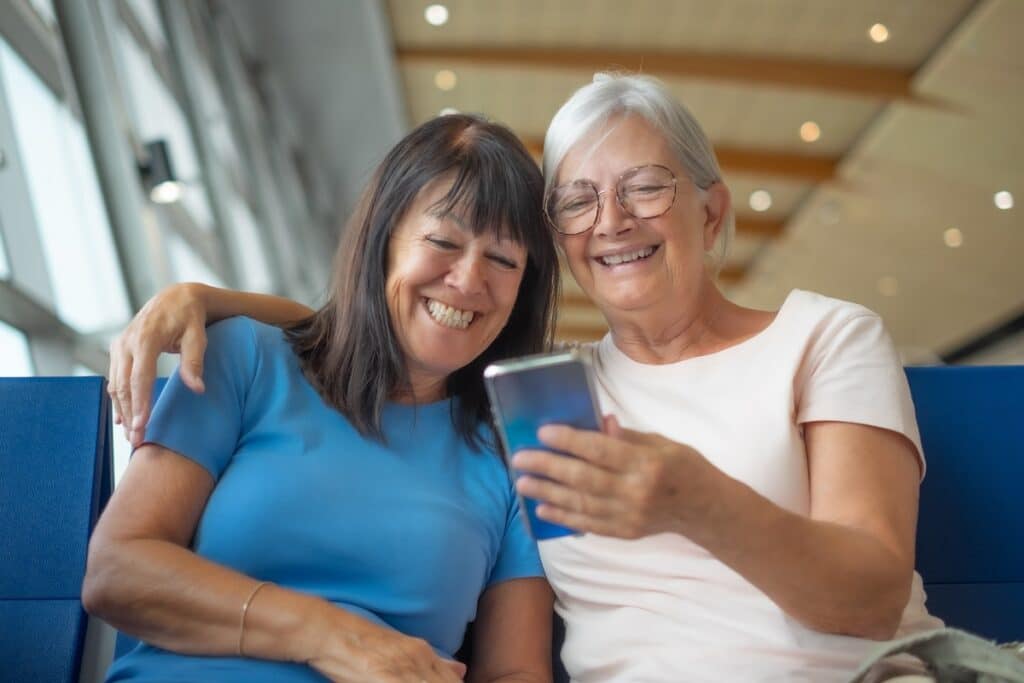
664,609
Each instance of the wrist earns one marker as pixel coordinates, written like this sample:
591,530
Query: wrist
314,624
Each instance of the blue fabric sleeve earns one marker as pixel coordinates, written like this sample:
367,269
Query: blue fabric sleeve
518,557
206,427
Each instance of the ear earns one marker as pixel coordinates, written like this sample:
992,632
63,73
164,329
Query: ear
717,203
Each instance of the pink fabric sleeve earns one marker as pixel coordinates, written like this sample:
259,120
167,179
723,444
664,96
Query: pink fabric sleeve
852,373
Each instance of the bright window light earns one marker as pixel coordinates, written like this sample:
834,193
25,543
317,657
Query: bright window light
15,360
256,275
5,270
74,229
188,266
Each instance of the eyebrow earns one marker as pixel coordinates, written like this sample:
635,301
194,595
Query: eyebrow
439,212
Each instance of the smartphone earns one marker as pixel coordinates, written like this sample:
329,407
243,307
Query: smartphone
530,392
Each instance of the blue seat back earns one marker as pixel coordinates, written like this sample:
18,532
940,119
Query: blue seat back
970,533
55,476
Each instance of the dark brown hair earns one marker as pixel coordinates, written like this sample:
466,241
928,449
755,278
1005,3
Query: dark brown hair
348,349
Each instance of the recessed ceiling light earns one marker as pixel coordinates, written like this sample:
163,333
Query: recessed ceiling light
810,131
445,79
953,237
1003,200
436,15
878,33
448,110
888,285
760,200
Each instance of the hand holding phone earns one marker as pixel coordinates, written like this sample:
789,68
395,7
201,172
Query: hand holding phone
528,393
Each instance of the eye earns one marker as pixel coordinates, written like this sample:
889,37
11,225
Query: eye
442,243
504,262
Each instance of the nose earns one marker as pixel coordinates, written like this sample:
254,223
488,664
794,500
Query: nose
467,274
612,219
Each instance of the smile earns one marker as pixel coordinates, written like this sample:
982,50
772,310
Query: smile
448,316
627,257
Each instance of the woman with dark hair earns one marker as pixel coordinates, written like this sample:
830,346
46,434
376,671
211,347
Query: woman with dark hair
330,503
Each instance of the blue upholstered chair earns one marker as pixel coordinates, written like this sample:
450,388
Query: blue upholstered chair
55,476
970,531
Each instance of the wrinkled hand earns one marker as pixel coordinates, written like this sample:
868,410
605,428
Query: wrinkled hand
173,321
622,483
379,655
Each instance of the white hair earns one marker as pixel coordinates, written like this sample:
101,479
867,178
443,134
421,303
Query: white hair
616,95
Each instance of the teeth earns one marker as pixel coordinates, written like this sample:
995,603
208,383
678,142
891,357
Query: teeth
448,316
615,259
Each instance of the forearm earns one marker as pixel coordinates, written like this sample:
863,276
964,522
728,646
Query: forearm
830,577
168,596
267,308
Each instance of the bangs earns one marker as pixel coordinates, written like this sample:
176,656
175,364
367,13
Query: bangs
493,196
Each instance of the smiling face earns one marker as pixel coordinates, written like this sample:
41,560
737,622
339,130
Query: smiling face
627,264
449,292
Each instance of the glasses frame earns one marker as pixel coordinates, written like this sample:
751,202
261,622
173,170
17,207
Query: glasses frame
618,198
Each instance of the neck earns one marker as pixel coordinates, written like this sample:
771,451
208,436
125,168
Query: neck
421,390
672,330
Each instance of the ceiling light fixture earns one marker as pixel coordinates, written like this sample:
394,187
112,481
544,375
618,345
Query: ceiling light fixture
878,33
158,174
445,79
810,131
760,200
436,15
953,237
1003,200
447,111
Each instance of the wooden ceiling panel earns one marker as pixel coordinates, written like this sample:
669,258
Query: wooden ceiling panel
786,28
735,117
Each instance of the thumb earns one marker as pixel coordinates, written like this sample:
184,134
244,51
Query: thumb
193,349
612,426
614,429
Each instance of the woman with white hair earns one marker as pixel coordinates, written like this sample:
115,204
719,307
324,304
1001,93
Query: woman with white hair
748,512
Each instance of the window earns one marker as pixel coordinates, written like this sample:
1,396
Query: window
5,270
89,292
188,266
15,360
255,273
44,8
159,116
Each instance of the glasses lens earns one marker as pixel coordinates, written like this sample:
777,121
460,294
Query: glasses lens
648,191
572,208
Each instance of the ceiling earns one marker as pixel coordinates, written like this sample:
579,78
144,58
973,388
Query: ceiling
917,132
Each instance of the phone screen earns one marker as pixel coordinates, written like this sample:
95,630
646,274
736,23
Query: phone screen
529,393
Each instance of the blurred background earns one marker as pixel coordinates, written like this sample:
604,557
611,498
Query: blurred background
873,148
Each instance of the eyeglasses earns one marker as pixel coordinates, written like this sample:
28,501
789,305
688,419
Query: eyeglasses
642,192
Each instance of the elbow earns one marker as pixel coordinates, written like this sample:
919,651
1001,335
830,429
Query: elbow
99,587
875,615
